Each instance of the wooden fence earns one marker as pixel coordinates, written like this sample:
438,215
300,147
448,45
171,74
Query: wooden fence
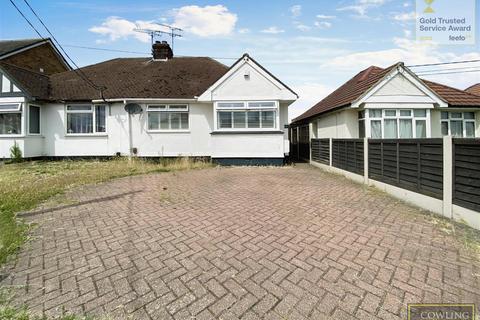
466,173
347,154
321,150
412,164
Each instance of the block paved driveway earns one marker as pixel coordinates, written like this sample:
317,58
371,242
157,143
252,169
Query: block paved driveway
229,243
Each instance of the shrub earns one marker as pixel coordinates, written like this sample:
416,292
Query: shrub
15,153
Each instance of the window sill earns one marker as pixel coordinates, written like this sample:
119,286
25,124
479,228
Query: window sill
104,135
168,131
247,132
12,136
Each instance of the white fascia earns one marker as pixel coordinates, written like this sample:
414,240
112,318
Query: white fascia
409,75
207,95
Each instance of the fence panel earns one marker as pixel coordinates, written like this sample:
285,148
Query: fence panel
347,154
466,173
413,164
321,150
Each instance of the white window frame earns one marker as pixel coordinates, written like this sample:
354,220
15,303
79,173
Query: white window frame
397,116
94,123
246,106
39,120
17,109
464,121
168,108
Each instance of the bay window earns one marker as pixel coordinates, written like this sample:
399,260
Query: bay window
86,119
246,115
458,124
394,123
10,119
167,117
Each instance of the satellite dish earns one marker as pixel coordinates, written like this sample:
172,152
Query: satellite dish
133,108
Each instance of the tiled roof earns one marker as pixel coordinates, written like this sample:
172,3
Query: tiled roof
8,46
475,89
183,77
36,84
366,79
348,92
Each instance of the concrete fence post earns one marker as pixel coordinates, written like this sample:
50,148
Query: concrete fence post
365,160
447,176
330,149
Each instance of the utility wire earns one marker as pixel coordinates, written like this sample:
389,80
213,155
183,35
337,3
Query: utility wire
453,72
448,69
442,63
26,19
78,71
104,49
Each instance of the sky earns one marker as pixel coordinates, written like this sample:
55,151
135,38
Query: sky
312,46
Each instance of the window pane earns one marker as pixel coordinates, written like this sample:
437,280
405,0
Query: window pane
390,128
184,120
5,84
157,107
178,107
361,129
153,120
390,113
79,122
268,119
253,119
375,113
10,107
34,120
470,129
455,115
421,128
164,121
444,115
239,120
444,128
456,128
175,120
420,113
237,105
10,123
405,113
261,104
469,115
361,114
100,116
376,128
405,128
224,119
79,108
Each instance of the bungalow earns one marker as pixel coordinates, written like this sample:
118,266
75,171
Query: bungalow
160,106
389,103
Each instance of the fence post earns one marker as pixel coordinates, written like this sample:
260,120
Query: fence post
330,149
447,176
365,160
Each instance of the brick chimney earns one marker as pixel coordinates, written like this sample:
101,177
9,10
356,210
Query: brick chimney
161,51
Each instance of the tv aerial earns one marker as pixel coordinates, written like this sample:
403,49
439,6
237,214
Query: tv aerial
173,33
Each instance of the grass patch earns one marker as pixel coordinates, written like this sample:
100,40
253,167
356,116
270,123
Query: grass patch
23,186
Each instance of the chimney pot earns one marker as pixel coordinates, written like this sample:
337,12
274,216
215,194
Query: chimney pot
161,51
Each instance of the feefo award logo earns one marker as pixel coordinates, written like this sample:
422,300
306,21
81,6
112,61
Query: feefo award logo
446,21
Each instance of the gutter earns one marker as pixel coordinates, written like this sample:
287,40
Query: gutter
144,100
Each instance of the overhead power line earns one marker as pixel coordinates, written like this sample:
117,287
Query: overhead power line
104,49
77,71
453,72
442,63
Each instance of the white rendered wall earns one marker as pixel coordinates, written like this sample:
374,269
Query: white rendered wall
341,124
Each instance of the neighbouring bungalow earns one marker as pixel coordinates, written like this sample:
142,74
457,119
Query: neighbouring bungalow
160,106
389,103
